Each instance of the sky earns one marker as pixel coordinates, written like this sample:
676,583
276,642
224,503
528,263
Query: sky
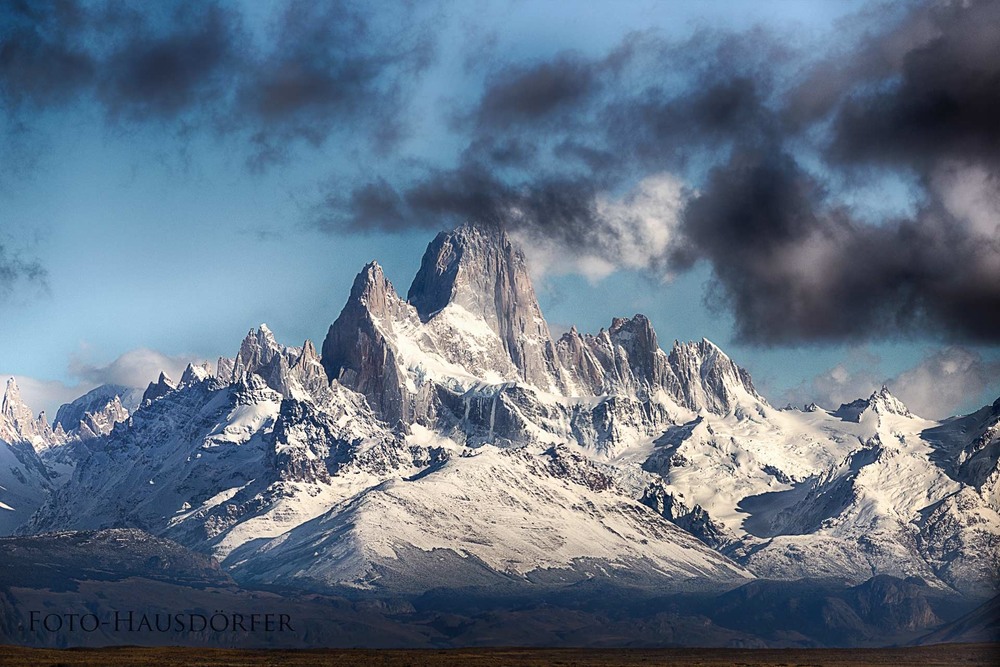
812,185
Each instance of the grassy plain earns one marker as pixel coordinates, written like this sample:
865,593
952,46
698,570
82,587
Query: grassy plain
939,655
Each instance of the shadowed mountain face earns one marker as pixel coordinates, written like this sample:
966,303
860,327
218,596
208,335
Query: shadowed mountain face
62,560
93,573
447,442
981,625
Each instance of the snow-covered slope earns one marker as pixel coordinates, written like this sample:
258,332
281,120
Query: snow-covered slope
849,493
487,517
448,438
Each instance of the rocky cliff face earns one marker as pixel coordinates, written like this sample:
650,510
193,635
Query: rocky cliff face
708,379
480,271
360,350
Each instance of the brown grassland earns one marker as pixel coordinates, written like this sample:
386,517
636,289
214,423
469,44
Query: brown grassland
943,654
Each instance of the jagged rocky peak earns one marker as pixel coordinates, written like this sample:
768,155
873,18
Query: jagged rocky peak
578,357
477,268
637,338
195,373
308,363
257,350
634,334
96,412
373,300
308,355
372,294
163,386
709,379
101,422
371,287
883,402
224,369
261,355
13,407
308,370
356,352
19,424
624,358
96,400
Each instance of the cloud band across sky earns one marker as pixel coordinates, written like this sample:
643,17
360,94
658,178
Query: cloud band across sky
766,160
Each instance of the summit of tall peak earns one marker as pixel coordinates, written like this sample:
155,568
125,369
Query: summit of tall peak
258,349
372,292
881,402
163,386
358,351
474,267
884,402
195,373
634,332
479,269
14,411
11,398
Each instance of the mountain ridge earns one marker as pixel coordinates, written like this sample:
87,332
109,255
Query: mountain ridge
283,450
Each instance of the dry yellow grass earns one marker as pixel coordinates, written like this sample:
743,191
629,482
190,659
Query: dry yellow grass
962,654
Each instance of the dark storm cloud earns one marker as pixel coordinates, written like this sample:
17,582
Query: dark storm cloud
772,146
14,269
137,61
791,266
322,69
546,134
923,97
525,94
471,192
160,69
42,60
661,131
329,69
945,104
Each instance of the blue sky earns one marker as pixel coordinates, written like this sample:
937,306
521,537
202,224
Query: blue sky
167,226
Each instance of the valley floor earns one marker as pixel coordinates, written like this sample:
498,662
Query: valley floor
925,656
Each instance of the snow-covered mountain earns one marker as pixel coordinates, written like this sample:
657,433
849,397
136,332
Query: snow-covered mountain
448,439
96,412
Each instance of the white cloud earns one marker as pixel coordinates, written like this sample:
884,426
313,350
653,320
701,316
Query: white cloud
937,386
135,368
971,194
855,378
640,226
635,231
944,380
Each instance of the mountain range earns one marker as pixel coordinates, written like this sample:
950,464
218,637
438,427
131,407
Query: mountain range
447,441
